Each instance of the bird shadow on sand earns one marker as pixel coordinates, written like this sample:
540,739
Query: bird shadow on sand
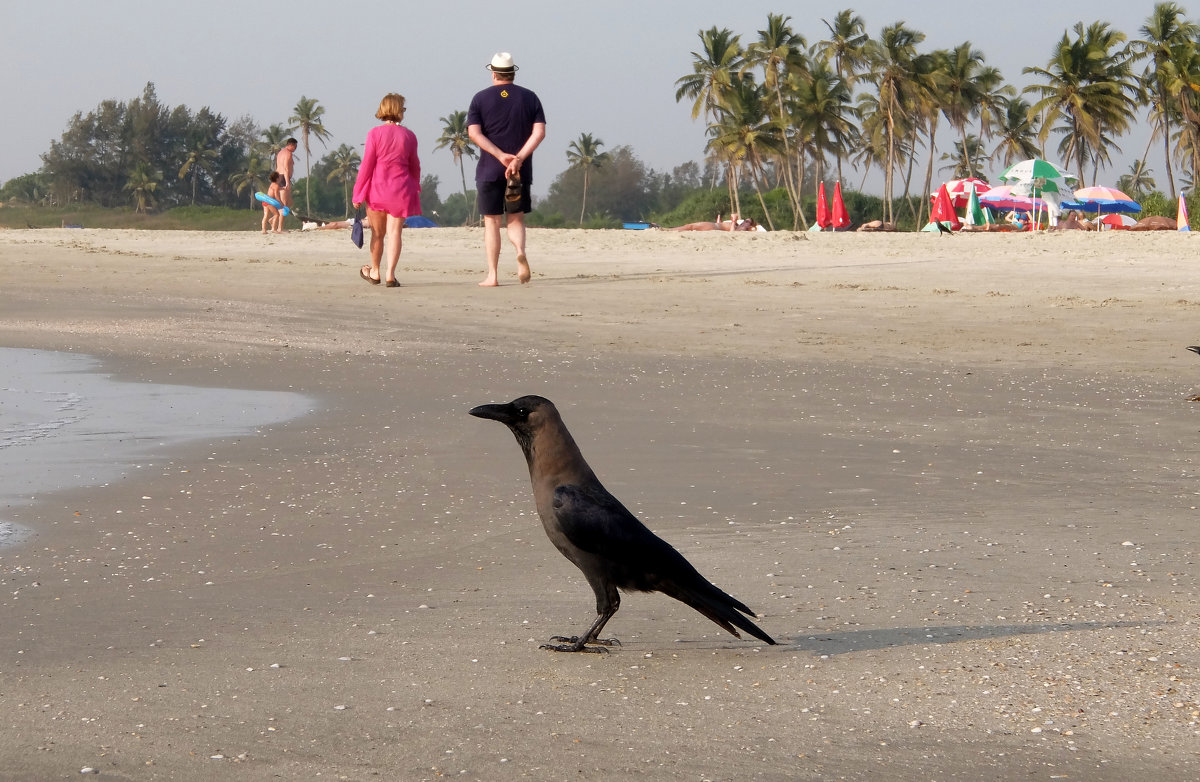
888,638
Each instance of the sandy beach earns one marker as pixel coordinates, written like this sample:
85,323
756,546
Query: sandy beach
956,477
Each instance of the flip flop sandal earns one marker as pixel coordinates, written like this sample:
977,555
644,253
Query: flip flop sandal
512,193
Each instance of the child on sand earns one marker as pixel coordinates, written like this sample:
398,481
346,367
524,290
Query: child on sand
271,214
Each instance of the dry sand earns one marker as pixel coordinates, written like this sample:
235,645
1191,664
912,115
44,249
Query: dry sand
956,476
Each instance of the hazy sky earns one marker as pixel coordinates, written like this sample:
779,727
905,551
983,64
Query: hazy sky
607,69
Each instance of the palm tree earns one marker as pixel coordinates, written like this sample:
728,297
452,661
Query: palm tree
584,153
306,117
930,98
1088,84
200,159
892,61
714,72
455,137
871,149
846,45
254,176
1138,181
961,161
142,183
274,138
846,50
1017,131
970,89
994,95
821,113
345,161
746,134
779,52
1167,41
1185,98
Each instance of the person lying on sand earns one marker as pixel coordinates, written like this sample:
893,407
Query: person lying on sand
876,225
321,225
720,225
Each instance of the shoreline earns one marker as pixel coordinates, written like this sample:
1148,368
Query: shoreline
956,477
67,424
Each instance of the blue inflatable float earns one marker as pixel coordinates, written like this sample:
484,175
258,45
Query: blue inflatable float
266,199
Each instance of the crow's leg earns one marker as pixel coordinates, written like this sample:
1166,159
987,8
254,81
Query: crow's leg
607,603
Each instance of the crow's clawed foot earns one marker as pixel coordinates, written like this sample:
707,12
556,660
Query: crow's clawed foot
573,644
574,648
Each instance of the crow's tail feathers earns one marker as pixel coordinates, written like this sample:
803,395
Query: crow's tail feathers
721,608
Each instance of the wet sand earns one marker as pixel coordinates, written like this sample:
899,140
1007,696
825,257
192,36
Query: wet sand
955,476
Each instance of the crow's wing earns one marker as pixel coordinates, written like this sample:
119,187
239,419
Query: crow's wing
637,559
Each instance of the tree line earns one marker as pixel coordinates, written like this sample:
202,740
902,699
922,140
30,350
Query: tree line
778,107
779,115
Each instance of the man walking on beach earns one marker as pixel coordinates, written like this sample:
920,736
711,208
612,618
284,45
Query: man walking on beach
507,123
284,165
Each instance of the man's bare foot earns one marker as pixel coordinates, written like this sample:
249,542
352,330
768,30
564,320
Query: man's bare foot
490,282
523,273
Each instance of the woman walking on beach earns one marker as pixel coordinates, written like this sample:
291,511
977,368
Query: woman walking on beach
389,183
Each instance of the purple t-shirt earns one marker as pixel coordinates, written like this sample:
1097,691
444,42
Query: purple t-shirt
506,113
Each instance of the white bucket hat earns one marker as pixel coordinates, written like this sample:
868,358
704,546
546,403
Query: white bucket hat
502,62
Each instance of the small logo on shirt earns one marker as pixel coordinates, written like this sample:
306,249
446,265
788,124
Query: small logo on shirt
503,93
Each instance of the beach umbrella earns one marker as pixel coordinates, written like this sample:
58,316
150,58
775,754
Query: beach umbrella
1038,174
1104,200
1181,216
1003,197
823,218
943,210
961,189
975,214
1036,177
1118,221
841,218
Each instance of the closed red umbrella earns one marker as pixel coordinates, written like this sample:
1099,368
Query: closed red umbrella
943,210
823,218
841,219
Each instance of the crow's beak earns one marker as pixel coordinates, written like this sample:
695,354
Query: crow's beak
504,413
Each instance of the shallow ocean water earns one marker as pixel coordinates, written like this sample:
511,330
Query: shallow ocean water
65,424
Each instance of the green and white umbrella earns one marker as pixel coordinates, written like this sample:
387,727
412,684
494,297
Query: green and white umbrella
975,214
1039,174
1040,179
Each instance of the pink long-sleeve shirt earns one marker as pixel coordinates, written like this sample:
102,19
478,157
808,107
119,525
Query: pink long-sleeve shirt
389,178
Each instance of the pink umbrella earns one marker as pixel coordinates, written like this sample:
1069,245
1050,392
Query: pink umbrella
960,190
1105,199
1100,194
1002,197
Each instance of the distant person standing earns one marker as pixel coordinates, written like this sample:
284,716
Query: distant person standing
389,183
284,164
507,123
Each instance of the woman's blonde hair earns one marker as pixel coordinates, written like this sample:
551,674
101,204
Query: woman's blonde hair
391,108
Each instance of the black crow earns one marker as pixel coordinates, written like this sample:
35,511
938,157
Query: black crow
596,532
